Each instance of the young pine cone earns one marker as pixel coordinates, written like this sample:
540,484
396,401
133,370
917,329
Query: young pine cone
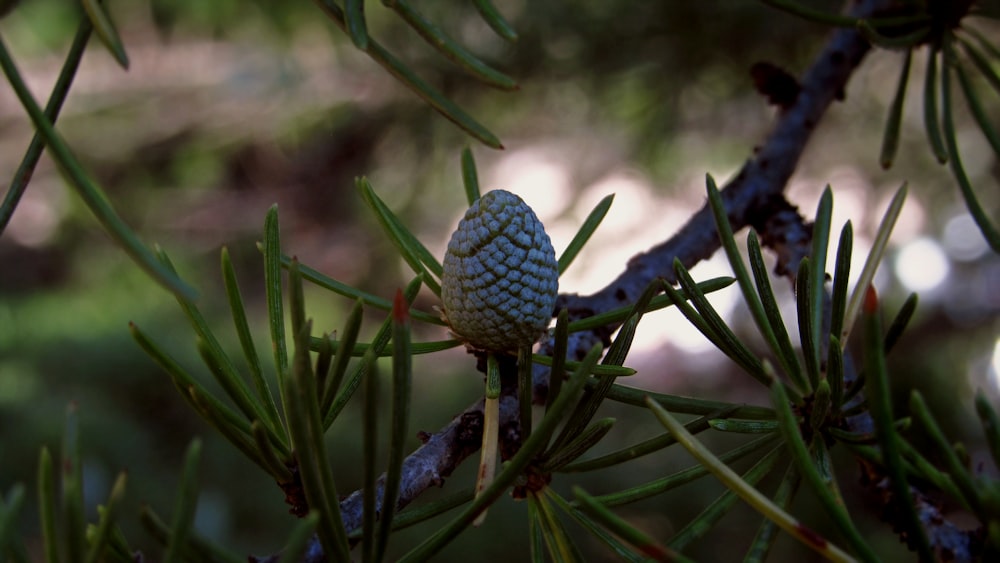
500,275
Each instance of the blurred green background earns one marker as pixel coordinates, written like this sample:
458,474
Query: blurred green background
229,107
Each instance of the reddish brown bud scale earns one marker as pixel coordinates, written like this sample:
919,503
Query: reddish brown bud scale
400,309
657,552
809,535
871,301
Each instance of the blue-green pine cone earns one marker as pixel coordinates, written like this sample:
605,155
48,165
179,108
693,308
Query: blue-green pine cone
500,276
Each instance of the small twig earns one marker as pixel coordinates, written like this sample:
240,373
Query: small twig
440,454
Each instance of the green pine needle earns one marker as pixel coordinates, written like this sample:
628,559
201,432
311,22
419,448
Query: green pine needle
264,396
639,449
817,281
872,262
26,169
408,78
88,190
409,246
879,397
643,543
619,314
11,544
991,424
890,137
986,225
618,548
513,468
357,29
558,542
299,538
688,405
709,517
495,20
185,504
760,301
100,543
752,496
470,178
47,506
579,445
586,230
106,30
451,50
274,294
402,389
932,121
816,478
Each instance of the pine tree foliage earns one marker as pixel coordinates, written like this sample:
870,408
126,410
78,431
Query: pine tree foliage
825,370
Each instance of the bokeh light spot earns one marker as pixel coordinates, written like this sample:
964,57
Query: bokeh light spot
921,265
962,238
